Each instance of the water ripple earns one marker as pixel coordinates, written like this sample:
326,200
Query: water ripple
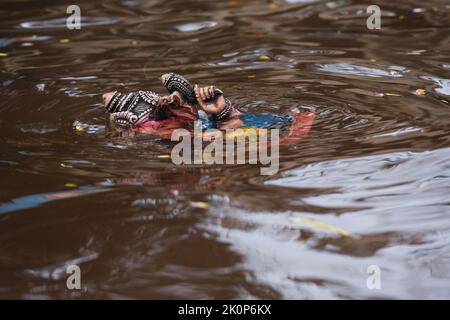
351,69
196,26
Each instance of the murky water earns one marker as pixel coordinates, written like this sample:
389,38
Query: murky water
370,185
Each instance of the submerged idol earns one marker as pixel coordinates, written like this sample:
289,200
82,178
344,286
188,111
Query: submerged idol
147,112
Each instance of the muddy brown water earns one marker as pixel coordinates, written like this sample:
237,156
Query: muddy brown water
369,186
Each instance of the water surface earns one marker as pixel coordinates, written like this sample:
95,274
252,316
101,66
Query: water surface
370,184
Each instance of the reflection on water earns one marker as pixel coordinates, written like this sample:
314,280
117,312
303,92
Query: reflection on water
443,85
368,186
61,23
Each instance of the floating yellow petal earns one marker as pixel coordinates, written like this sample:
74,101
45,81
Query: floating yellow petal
64,40
199,205
3,54
163,156
323,226
264,57
392,94
79,127
70,185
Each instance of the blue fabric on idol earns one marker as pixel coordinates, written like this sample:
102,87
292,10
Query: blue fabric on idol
266,120
206,120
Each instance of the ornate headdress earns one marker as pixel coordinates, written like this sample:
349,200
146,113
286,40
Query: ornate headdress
130,108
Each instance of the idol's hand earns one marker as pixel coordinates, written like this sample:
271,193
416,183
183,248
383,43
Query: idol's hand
210,99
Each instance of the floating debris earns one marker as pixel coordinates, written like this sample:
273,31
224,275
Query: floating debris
64,40
264,57
199,205
247,58
315,224
163,156
65,165
3,54
71,185
419,10
420,92
40,87
416,52
79,126
392,94
352,69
